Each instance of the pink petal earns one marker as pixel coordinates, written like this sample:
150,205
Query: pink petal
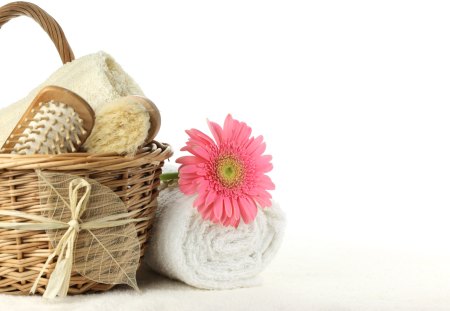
207,214
254,143
198,151
235,223
263,201
218,208
239,127
259,150
216,130
203,210
188,160
188,189
226,222
245,216
187,179
185,176
202,172
228,206
189,169
236,213
216,221
228,128
200,136
200,200
213,218
190,179
265,182
264,194
203,186
244,134
263,163
265,167
211,196
224,217
248,210
236,131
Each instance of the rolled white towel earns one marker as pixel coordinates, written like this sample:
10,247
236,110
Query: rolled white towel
207,255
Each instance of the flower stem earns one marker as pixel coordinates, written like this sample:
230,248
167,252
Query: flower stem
169,176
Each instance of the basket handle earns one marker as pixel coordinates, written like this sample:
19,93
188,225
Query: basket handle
48,23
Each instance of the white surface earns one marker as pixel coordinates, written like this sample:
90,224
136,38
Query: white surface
304,276
362,160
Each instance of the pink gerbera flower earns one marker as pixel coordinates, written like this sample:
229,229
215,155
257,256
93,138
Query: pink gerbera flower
228,174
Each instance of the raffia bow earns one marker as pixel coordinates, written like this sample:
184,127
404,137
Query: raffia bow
102,248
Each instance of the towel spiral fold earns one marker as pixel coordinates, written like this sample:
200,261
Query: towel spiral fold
207,255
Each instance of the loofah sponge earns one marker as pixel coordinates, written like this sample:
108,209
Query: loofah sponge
123,126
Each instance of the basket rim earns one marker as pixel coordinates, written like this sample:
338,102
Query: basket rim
154,152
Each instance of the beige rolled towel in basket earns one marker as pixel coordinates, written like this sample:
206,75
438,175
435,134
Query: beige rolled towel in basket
98,78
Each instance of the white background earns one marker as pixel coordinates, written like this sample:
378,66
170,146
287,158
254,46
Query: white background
351,96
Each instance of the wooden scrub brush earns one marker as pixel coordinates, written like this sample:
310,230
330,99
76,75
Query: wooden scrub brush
57,121
124,125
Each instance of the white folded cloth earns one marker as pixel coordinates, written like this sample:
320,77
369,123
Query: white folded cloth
207,255
95,77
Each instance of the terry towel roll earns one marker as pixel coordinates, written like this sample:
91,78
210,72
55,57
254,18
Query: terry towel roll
206,255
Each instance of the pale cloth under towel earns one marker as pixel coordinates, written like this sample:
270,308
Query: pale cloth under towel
210,256
98,78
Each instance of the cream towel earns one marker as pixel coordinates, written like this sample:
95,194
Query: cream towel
96,77
206,255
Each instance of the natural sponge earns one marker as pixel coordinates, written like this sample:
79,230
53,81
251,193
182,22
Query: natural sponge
123,126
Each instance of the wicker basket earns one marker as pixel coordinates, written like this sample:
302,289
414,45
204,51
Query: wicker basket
134,179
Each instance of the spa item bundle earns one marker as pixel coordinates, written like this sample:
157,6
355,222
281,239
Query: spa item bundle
81,172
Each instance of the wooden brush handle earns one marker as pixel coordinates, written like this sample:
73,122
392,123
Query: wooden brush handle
47,22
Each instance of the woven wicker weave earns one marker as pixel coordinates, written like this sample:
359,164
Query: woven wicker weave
134,179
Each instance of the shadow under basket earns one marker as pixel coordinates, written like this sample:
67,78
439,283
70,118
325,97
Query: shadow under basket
23,253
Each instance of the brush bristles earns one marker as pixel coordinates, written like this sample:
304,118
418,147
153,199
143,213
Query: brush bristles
55,128
121,126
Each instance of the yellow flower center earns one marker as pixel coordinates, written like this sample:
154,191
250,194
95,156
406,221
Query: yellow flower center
230,171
